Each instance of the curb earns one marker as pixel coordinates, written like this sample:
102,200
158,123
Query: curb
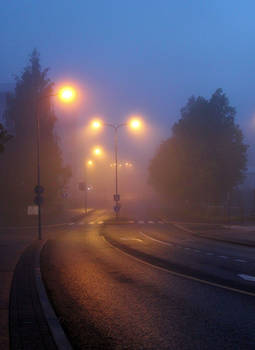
56,330
205,236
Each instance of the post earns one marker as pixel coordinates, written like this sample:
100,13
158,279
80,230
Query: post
38,168
85,191
116,166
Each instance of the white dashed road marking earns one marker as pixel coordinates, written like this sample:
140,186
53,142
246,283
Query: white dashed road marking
247,277
156,240
222,256
150,222
100,222
240,260
131,239
140,222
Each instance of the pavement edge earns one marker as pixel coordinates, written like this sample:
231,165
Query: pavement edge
56,330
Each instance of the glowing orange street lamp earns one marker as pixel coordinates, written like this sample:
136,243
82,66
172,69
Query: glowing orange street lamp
96,124
135,123
66,94
97,151
90,163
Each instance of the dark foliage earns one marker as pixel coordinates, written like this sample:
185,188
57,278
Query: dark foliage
4,137
18,164
205,158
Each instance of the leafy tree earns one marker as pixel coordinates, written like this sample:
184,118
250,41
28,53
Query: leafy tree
4,137
205,158
18,168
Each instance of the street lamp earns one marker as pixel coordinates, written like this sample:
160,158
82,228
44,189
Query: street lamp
66,94
97,151
135,124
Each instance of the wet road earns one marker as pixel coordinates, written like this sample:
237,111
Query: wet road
128,286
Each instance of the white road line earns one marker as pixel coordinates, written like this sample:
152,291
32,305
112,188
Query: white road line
187,248
156,240
71,223
81,223
160,222
223,257
213,284
131,239
100,222
247,277
197,250
150,222
209,253
130,222
140,222
240,260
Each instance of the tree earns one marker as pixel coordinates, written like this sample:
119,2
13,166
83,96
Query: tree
4,137
205,158
18,168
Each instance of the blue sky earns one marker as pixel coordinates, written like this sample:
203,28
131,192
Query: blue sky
146,56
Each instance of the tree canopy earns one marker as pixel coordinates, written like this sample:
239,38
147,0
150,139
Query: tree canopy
205,158
4,137
18,168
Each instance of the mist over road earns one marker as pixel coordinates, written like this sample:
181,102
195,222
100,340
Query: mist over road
111,291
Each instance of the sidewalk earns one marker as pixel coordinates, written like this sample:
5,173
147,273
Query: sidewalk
12,244
11,247
235,234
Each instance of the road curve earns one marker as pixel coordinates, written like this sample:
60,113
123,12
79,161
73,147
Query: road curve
106,299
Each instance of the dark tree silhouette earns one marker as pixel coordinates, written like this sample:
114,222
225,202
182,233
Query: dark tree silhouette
4,137
205,158
18,168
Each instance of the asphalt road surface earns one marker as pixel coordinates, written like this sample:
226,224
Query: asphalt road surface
145,284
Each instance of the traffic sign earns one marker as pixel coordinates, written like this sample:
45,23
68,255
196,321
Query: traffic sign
38,200
116,208
116,197
32,210
39,189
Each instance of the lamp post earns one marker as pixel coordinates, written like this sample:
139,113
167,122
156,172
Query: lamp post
88,164
66,94
134,123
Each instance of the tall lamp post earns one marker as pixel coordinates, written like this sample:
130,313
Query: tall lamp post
66,94
88,164
134,123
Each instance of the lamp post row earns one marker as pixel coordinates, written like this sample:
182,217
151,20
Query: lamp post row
67,94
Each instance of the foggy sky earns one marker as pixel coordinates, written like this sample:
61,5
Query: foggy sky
139,55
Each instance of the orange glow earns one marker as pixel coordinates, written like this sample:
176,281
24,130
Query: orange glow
135,123
97,151
67,94
90,163
96,124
